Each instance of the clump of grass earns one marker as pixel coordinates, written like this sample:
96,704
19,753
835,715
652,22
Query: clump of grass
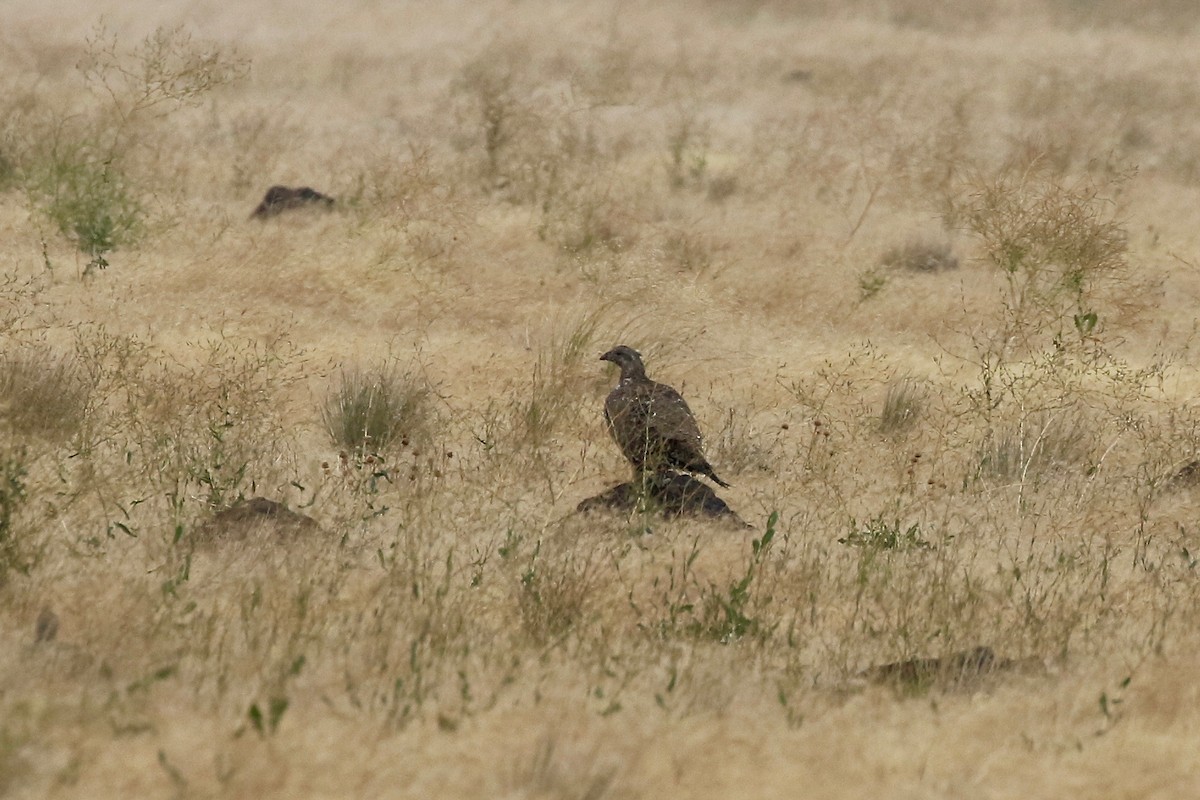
920,256
687,250
494,82
42,394
721,188
903,404
1035,445
563,372
584,217
374,408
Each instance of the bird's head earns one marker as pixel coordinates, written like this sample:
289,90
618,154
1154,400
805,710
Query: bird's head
628,359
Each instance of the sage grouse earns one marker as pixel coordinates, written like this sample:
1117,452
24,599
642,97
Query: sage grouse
651,422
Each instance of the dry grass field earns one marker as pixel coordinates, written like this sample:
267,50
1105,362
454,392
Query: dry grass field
927,275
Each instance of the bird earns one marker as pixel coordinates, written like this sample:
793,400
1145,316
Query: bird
651,422
283,198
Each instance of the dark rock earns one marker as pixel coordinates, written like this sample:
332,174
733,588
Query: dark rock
234,522
953,670
1187,475
921,256
670,494
284,198
46,627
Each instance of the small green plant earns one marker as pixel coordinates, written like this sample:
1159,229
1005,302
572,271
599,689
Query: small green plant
88,199
374,408
727,616
1060,247
870,283
265,723
881,534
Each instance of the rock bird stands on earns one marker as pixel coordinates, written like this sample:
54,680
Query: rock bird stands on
651,422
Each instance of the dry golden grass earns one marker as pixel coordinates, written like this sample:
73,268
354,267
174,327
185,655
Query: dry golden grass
931,460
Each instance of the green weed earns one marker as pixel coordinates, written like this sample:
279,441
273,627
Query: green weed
882,534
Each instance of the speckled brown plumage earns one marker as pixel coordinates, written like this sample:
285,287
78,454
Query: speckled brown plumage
651,422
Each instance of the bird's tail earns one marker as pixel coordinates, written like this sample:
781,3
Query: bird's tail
710,473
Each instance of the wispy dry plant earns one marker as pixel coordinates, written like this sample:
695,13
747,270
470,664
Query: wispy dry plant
565,369
1060,247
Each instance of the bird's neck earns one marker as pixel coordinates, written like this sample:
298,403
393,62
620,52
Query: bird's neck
633,373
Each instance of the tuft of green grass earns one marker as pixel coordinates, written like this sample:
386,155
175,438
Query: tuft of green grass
374,408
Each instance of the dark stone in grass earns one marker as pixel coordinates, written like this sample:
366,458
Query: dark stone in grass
919,256
234,522
1187,475
46,627
918,674
284,198
671,494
